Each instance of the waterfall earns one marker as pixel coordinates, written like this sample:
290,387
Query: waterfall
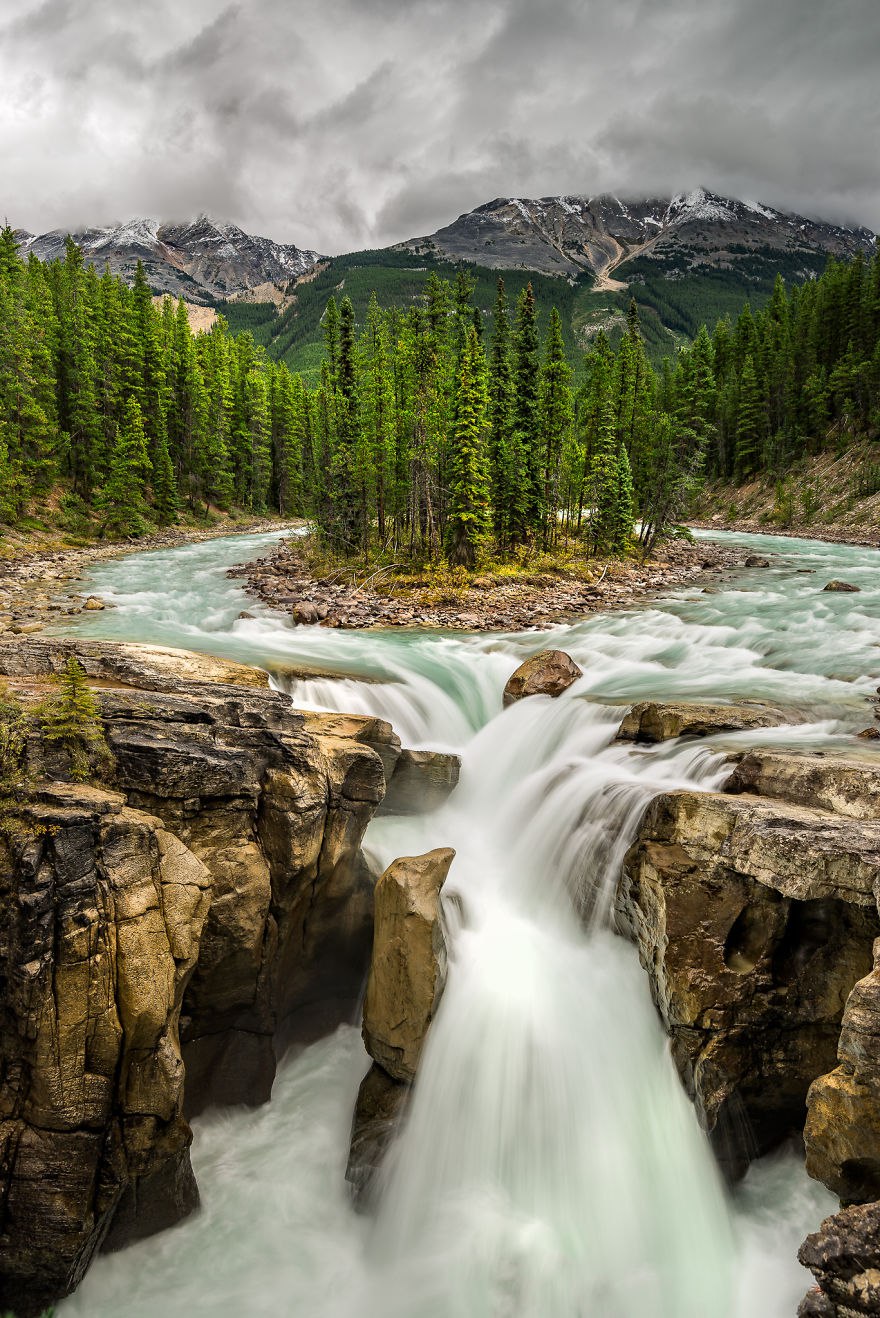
550,1163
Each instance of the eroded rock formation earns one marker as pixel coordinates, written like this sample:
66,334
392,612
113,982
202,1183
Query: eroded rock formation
181,927
101,912
754,918
407,975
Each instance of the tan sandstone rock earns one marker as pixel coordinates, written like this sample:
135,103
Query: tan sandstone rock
653,721
546,674
408,966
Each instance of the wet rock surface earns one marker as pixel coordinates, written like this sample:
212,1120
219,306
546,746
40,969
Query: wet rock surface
548,673
844,1257
421,781
653,720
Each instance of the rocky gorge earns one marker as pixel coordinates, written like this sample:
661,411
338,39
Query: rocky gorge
166,935
172,931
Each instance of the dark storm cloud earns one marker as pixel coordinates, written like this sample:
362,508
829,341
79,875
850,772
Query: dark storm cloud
345,123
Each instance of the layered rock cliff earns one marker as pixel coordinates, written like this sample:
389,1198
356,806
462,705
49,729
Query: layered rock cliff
164,937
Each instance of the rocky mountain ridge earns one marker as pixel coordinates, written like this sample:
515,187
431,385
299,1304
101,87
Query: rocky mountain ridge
573,235
202,260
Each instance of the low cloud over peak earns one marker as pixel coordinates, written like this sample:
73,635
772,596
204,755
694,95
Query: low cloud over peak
337,124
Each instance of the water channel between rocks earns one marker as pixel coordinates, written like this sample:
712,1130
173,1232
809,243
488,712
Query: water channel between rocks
552,1166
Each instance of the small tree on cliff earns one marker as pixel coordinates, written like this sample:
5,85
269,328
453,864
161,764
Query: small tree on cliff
72,720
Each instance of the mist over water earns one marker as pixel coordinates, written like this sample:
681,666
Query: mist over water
551,1164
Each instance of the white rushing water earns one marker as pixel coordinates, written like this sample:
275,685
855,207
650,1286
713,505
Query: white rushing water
551,1164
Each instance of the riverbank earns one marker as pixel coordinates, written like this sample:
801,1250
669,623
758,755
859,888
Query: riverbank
828,497
284,580
37,576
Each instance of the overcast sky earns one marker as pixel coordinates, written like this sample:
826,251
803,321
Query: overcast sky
339,124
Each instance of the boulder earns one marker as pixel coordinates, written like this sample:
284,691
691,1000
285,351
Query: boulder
408,965
845,785
842,1133
652,720
756,560
421,781
844,1257
101,913
753,918
94,603
548,673
845,586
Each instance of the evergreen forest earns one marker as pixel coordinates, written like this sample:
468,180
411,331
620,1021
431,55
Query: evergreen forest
432,431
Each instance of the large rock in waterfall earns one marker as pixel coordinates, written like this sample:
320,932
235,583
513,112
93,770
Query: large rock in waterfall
408,964
844,1257
842,1134
422,781
407,975
754,918
162,941
546,674
653,720
101,912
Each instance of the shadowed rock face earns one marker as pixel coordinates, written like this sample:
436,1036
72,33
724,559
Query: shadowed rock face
277,815
753,918
101,911
844,1257
842,1134
159,943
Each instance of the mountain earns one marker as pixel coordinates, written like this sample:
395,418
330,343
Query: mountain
203,260
576,235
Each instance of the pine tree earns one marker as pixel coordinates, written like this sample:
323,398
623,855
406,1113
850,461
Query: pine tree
605,480
527,414
122,497
622,516
468,524
72,720
750,422
556,419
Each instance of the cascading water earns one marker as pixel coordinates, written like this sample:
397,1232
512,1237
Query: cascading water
551,1164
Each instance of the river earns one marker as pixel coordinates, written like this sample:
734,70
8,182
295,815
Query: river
551,1166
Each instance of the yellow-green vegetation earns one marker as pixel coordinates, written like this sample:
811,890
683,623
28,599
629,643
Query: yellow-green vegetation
72,721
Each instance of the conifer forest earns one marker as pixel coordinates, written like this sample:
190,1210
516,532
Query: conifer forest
435,431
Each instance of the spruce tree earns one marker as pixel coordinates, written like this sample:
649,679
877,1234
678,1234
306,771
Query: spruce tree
556,421
72,720
468,524
750,422
527,414
122,497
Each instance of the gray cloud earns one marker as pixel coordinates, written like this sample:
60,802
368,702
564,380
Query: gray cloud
346,123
